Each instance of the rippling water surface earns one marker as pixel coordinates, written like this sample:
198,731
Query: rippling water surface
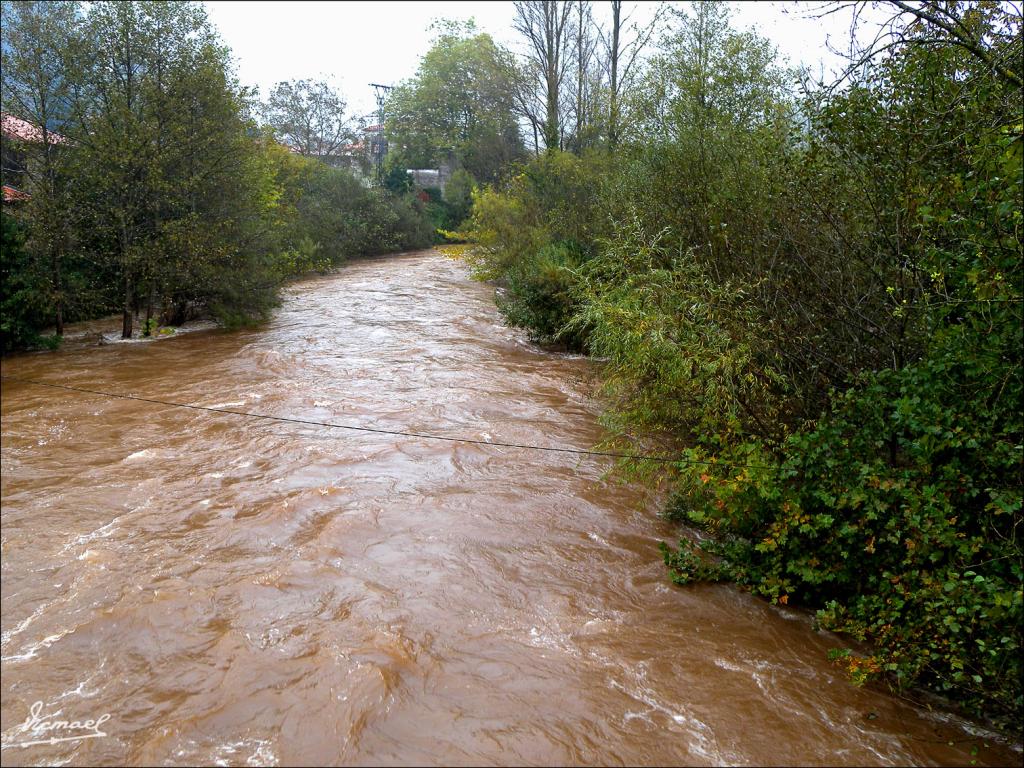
248,592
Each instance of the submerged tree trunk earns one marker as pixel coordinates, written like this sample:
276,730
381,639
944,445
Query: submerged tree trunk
126,315
58,292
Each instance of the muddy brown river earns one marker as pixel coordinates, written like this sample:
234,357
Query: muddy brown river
237,591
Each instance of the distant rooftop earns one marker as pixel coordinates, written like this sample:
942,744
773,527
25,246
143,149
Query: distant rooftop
15,128
12,195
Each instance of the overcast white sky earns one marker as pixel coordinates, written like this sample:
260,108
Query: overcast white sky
356,43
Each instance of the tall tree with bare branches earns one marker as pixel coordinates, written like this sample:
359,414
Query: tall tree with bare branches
623,43
546,26
310,116
587,77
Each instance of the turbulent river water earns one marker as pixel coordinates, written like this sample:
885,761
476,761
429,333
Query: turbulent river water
246,592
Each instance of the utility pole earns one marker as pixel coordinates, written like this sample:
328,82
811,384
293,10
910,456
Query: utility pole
378,144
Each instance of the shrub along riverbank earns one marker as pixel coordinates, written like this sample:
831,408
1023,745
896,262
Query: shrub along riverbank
818,299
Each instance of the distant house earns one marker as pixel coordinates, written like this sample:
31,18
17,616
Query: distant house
432,178
22,130
361,155
15,135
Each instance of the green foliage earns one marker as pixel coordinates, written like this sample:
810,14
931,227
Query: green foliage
683,350
458,194
819,299
897,513
533,239
540,295
458,108
343,218
24,292
555,198
396,179
166,197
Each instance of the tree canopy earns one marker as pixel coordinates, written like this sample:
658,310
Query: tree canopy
458,108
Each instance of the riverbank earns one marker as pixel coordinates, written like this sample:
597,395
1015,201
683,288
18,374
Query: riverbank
240,589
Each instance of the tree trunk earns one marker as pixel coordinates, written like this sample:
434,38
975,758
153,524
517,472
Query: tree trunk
613,103
552,130
126,315
580,79
58,291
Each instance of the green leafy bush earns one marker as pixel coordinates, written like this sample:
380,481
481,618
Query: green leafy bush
899,513
540,295
683,350
25,303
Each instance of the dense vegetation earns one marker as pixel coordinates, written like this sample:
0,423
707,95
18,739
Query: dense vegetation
815,295
811,292
457,108
153,188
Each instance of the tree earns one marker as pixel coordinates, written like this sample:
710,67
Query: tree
24,305
309,116
587,81
124,127
714,107
546,26
987,31
458,194
457,108
166,196
168,176
621,56
35,60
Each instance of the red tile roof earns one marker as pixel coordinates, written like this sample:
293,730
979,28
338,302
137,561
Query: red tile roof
15,128
12,195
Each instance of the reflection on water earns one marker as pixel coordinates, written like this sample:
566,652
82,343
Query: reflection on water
241,591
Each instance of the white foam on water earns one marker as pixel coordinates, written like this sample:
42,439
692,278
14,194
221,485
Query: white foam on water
33,650
79,690
24,624
261,752
703,741
264,755
103,532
